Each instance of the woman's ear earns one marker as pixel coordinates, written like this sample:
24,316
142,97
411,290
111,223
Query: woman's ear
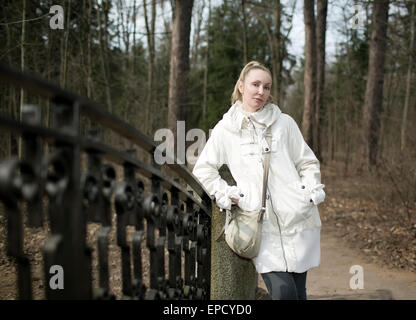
240,86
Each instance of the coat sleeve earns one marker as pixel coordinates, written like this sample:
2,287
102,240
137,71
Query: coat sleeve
206,169
306,163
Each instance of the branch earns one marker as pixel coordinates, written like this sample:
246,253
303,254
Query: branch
26,20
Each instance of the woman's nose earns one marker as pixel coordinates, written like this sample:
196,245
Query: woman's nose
261,90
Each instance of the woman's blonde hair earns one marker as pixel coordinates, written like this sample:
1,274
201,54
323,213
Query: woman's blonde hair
249,66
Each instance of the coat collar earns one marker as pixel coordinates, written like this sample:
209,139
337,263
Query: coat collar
235,117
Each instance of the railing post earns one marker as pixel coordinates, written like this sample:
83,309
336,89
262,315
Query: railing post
32,153
71,225
232,277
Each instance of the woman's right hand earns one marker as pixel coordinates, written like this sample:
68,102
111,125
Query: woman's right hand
234,200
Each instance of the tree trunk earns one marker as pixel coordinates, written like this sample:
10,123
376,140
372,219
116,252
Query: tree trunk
64,48
179,64
103,54
205,95
244,16
197,33
310,72
275,45
374,89
11,106
277,63
22,66
322,7
409,78
150,29
89,61
134,18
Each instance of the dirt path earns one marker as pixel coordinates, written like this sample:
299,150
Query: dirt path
331,280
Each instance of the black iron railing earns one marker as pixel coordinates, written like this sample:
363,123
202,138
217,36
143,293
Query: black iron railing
170,222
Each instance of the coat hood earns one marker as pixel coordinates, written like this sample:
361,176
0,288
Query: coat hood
234,118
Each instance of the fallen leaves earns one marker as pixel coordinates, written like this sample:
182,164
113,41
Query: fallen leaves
379,228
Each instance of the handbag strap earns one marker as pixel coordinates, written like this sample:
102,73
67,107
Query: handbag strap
266,171
268,137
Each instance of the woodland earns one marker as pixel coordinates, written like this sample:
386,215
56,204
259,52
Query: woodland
155,62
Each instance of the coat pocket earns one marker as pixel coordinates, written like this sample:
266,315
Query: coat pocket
294,203
249,198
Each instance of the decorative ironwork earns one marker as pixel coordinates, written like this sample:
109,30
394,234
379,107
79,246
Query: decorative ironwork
171,222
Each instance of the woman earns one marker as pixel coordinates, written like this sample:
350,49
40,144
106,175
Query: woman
291,225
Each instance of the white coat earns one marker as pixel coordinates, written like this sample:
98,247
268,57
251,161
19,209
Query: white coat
291,225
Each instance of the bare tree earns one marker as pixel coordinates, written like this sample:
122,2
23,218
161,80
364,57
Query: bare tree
205,94
244,16
179,62
275,43
102,34
310,72
409,77
197,33
322,7
150,29
64,48
12,97
374,89
22,66
134,19
89,60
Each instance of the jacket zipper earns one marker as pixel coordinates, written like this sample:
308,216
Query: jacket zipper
280,230
271,202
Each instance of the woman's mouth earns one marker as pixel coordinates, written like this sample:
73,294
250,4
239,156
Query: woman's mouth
258,100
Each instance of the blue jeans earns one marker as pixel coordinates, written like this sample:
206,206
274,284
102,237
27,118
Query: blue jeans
285,285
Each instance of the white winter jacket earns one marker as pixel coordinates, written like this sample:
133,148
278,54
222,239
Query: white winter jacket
291,225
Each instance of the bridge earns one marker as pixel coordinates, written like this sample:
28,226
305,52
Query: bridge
66,181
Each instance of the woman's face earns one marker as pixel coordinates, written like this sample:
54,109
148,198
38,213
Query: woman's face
255,89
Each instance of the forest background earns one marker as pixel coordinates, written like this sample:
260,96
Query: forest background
153,62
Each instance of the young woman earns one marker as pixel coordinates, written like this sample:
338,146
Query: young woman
291,225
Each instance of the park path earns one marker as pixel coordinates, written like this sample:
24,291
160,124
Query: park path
331,280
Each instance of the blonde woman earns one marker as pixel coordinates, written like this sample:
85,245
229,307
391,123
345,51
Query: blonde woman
291,226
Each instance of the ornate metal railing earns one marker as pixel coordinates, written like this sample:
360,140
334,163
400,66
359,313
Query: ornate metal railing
168,221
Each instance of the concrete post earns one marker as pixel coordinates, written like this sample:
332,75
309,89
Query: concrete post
232,277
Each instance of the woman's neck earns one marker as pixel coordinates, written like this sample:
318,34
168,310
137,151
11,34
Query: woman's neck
249,110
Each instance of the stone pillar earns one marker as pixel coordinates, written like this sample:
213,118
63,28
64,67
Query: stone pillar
232,277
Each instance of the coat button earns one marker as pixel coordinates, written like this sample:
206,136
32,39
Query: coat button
303,187
241,195
267,149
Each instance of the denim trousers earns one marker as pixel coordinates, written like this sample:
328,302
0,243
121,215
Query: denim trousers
285,285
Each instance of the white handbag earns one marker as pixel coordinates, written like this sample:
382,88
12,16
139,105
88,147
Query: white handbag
244,229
